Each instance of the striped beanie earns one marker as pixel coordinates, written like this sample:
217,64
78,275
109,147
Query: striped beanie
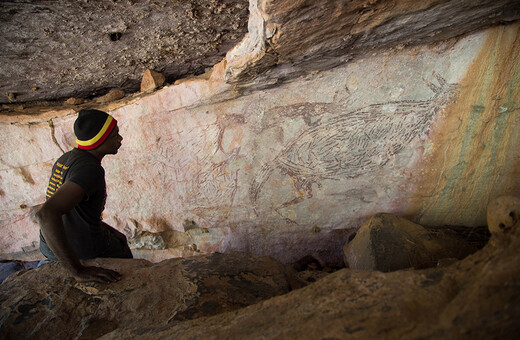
92,127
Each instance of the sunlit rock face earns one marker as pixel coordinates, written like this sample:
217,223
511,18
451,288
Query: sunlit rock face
288,38
429,132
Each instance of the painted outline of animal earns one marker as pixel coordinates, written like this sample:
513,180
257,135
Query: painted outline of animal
353,143
206,183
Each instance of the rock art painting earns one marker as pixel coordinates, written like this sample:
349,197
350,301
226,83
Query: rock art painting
354,143
198,169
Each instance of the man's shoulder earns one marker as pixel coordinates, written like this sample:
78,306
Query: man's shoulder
77,160
79,157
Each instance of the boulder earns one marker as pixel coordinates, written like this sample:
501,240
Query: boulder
151,80
475,298
503,213
387,242
48,303
74,101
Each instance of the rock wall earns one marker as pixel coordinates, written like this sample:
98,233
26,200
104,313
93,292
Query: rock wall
427,132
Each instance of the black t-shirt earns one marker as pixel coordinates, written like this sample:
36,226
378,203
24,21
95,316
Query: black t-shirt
83,223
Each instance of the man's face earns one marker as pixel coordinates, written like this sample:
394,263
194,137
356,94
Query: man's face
112,143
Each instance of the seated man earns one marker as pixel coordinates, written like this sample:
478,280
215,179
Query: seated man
71,228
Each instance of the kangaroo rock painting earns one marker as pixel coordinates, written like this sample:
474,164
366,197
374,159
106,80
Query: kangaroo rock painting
354,143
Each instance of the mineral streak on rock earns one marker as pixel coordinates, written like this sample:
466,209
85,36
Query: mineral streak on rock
475,155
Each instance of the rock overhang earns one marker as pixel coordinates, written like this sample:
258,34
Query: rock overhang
53,50
52,53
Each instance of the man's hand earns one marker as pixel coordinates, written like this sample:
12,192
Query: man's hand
96,274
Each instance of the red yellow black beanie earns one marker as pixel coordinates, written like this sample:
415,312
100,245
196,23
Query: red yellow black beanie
92,127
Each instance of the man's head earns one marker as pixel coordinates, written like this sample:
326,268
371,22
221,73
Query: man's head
96,130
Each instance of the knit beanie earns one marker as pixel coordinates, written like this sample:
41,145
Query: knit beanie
92,127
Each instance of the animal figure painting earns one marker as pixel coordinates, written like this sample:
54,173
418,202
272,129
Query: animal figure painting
353,143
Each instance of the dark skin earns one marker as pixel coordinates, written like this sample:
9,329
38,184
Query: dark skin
65,199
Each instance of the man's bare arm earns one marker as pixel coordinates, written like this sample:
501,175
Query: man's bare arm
51,224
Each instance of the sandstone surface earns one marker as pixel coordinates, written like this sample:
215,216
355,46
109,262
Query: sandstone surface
85,48
415,136
294,168
503,213
387,242
47,303
289,38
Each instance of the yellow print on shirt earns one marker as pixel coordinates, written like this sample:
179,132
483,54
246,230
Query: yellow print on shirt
56,180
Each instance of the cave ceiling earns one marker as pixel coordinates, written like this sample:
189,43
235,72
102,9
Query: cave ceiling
53,50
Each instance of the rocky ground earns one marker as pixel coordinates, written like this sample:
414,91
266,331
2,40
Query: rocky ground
243,296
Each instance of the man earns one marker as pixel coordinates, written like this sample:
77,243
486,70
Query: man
71,228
